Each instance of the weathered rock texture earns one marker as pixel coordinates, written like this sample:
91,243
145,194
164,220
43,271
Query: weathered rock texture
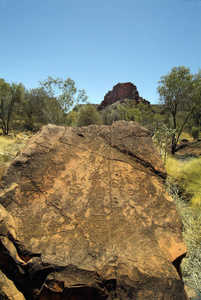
186,148
85,215
120,92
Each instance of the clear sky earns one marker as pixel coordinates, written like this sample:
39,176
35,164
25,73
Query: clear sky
99,43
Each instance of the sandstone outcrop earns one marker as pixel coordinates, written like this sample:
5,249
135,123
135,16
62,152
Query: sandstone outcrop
186,148
84,215
120,92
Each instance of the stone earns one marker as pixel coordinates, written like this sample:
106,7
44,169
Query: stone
8,290
120,92
186,148
85,215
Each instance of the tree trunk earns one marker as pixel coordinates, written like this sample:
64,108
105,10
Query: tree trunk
174,144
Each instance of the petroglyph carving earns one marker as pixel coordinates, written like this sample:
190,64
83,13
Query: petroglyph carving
90,215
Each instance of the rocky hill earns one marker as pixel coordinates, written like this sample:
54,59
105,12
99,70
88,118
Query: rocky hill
120,92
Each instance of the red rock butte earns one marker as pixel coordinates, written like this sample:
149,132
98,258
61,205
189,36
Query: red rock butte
120,92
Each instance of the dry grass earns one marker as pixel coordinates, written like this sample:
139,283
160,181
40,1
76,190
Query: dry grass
9,146
191,264
187,176
184,184
186,136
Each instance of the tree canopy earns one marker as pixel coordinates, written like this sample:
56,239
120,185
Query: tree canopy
64,91
180,93
10,94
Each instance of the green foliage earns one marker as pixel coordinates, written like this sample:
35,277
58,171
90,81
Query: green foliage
195,132
64,91
5,157
53,112
72,118
30,110
180,92
163,138
38,109
88,115
144,114
109,116
10,95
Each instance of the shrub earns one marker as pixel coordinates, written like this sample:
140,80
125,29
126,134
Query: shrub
195,132
187,176
88,115
163,139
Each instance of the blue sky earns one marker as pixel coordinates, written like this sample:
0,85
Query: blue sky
99,43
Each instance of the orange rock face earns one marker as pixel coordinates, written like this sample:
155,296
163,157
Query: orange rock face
86,216
120,92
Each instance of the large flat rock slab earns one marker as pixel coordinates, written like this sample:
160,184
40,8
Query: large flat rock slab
92,218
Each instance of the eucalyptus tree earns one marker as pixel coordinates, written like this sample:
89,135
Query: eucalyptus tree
38,108
10,95
64,91
180,93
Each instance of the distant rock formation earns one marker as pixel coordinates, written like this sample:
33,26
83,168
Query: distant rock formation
84,215
120,92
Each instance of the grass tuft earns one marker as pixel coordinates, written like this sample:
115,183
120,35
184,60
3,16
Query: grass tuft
184,184
187,176
9,146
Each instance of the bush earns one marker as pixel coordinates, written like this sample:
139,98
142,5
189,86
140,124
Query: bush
187,176
163,139
88,115
195,132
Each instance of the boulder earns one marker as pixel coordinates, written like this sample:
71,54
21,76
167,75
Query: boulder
189,149
8,290
120,92
85,215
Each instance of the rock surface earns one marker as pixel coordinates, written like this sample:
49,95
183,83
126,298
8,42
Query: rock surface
186,148
8,290
120,92
84,215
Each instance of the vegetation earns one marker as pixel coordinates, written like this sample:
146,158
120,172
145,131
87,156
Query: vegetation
180,93
184,184
10,145
88,115
51,102
32,109
59,102
10,95
109,115
146,115
162,138
64,91
187,176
